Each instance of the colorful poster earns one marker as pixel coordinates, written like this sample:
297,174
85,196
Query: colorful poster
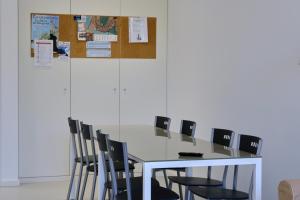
64,50
44,27
102,25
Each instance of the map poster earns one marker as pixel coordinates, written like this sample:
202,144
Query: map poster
44,27
102,25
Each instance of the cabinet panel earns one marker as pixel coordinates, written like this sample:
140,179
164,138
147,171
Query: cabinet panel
44,102
143,81
142,92
95,82
95,91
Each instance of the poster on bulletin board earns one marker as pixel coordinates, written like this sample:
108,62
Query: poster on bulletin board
71,33
138,30
44,27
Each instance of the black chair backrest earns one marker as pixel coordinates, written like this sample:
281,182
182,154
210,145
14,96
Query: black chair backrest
85,131
87,134
162,122
101,138
222,137
75,130
225,138
188,128
250,144
117,152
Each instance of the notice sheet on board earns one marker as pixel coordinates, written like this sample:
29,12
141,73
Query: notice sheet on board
43,53
138,30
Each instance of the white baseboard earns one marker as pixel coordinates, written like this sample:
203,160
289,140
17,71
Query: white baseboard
44,179
9,183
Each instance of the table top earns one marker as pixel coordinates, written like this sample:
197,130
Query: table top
151,144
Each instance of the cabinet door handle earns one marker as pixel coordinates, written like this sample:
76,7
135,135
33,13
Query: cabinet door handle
124,90
115,90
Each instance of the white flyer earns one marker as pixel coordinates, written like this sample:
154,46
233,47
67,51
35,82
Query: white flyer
98,53
43,53
138,30
98,45
105,37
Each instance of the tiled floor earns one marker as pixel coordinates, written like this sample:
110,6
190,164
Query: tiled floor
36,191
41,191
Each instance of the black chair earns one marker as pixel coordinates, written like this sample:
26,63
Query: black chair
246,143
119,167
219,136
162,122
78,155
87,135
117,152
187,128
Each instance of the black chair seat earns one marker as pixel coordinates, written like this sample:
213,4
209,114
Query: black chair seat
218,193
136,183
119,167
91,159
173,169
195,181
158,193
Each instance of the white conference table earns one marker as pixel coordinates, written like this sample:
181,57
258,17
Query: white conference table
157,148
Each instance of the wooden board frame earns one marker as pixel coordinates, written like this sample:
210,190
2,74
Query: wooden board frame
120,49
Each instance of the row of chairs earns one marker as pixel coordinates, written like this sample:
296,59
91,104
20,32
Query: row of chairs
117,163
207,187
114,157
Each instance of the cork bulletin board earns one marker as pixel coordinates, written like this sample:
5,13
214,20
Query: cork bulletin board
119,49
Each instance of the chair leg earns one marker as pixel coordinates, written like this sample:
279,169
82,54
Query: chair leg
180,187
170,185
104,193
166,177
72,180
131,173
109,194
93,186
192,196
84,184
79,182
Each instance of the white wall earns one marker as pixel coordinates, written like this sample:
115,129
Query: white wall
9,93
235,64
0,84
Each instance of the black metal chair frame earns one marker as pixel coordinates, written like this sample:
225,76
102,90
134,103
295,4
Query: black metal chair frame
77,154
87,135
226,140
117,152
256,150
187,128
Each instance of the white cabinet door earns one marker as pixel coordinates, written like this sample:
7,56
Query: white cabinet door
95,91
95,82
143,81
44,102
